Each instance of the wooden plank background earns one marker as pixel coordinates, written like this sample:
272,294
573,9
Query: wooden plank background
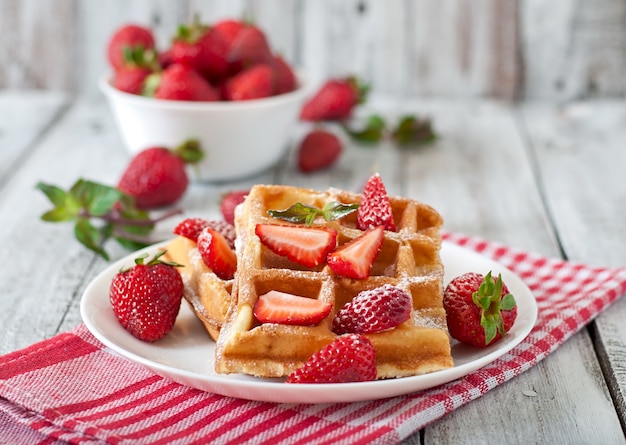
505,49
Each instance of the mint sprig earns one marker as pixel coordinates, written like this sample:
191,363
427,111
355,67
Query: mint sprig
99,213
300,213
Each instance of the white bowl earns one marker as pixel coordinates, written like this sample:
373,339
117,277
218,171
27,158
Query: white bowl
238,138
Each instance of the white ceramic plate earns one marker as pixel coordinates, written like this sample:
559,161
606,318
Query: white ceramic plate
185,355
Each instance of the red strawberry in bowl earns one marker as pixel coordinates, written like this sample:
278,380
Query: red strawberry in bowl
479,309
256,82
146,298
127,39
180,82
157,176
349,358
202,48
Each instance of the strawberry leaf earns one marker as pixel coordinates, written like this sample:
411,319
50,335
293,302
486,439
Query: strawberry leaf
373,131
413,131
300,213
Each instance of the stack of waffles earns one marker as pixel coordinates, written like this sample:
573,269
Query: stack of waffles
408,259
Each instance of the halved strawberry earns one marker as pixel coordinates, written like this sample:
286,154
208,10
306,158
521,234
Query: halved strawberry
308,246
355,258
217,254
375,209
285,308
349,358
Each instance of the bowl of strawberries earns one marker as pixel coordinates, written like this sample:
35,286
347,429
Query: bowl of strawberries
220,85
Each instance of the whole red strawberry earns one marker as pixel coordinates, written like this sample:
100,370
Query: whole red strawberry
374,310
285,77
229,202
335,100
375,208
249,47
317,150
157,177
180,82
255,82
479,309
349,358
202,48
230,29
130,78
127,39
146,298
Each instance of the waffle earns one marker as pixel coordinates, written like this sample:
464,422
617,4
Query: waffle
207,294
409,259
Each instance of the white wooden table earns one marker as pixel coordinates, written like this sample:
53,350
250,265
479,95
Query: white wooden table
539,177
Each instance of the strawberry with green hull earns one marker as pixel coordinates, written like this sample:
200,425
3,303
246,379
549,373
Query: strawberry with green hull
349,358
146,298
127,39
479,309
157,176
202,48
334,101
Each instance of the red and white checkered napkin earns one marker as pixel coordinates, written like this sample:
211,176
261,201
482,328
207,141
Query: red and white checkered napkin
71,388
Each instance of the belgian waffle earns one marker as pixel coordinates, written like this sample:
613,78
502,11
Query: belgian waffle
207,294
409,259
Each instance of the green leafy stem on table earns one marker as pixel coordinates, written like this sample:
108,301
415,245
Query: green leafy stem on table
87,202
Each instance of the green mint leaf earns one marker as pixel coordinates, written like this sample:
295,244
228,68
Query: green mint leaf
372,132
56,195
97,199
335,210
59,214
298,213
90,237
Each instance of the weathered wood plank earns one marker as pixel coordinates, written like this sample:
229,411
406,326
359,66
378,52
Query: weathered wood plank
580,151
24,117
479,176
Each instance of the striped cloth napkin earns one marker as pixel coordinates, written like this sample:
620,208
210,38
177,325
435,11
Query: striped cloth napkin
72,389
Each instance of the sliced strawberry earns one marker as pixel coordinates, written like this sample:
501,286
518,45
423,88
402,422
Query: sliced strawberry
308,246
349,358
355,258
192,227
284,308
374,310
375,209
217,254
